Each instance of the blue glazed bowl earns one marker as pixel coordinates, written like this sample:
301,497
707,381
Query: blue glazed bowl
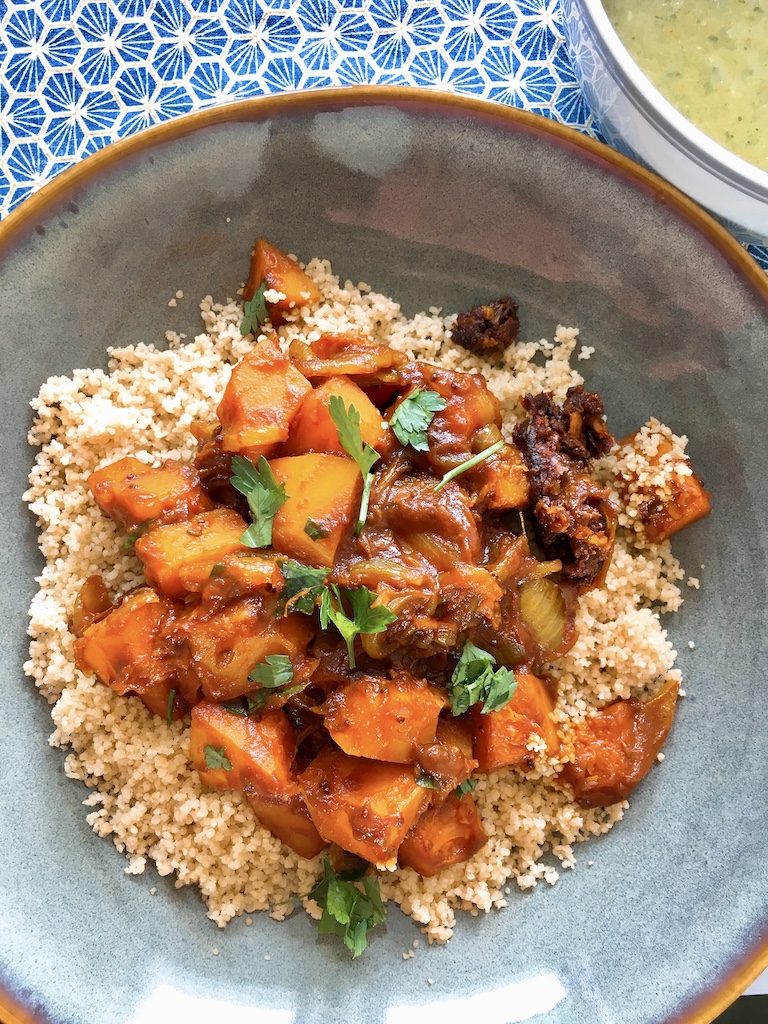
437,201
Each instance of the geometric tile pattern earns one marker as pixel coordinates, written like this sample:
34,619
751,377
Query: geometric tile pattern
78,74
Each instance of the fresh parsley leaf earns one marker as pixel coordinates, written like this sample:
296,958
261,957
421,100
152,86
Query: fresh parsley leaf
278,671
424,779
255,311
316,531
265,496
303,587
347,422
467,786
170,707
216,757
134,534
474,680
348,910
413,416
365,618
469,464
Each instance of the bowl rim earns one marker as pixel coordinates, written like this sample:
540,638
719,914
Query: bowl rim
754,959
682,133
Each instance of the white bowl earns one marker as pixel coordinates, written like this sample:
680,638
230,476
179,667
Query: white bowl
639,121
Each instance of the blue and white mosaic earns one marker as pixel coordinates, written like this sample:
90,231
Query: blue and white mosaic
78,74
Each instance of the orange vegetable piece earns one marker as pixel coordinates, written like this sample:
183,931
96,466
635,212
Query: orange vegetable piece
613,750
313,430
364,806
687,503
323,488
169,550
91,604
287,818
227,643
384,719
131,492
502,737
502,480
283,275
124,650
260,400
333,355
446,834
244,572
449,761
259,749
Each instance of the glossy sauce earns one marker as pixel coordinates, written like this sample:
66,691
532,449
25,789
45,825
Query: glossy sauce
710,59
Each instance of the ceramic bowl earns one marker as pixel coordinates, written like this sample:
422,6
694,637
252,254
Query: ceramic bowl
437,201
638,120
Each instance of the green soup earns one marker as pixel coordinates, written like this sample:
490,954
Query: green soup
710,60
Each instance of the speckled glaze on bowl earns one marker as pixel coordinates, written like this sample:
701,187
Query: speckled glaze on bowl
638,120
437,201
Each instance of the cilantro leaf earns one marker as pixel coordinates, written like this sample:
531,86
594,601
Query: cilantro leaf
169,708
316,531
303,587
255,311
278,671
424,779
348,910
474,680
134,534
365,618
216,757
413,416
265,496
467,786
347,422
469,464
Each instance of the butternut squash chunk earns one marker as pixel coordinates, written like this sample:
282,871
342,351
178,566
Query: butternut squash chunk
614,750
282,274
322,488
384,719
260,400
446,834
502,737
259,751
170,550
131,492
227,643
364,806
313,429
287,818
502,480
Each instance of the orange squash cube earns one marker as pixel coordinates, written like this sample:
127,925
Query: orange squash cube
226,644
283,275
364,806
323,488
502,480
384,719
614,749
287,818
501,737
446,834
132,493
313,429
172,549
244,572
259,750
260,400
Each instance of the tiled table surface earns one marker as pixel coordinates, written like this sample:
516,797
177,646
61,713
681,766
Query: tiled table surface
76,75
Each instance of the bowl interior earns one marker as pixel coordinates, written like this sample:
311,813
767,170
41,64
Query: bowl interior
435,202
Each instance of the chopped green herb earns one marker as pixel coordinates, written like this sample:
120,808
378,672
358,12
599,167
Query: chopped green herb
278,671
303,587
255,311
425,779
350,438
216,757
316,531
413,416
134,534
469,464
347,909
467,786
365,618
169,709
217,571
474,680
265,496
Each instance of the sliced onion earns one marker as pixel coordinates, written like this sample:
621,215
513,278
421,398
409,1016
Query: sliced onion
542,608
